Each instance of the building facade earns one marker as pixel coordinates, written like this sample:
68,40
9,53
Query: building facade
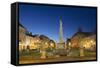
22,37
86,40
29,41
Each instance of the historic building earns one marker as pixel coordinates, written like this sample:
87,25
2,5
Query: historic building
90,42
32,41
22,37
84,39
29,41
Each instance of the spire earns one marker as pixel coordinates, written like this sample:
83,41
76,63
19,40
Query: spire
79,29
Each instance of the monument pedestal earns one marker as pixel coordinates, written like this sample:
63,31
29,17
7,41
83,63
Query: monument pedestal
43,54
61,45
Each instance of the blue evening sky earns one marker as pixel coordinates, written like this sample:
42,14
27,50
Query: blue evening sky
46,19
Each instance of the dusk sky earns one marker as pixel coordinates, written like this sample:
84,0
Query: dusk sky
46,19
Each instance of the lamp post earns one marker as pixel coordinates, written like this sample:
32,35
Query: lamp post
80,43
68,47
